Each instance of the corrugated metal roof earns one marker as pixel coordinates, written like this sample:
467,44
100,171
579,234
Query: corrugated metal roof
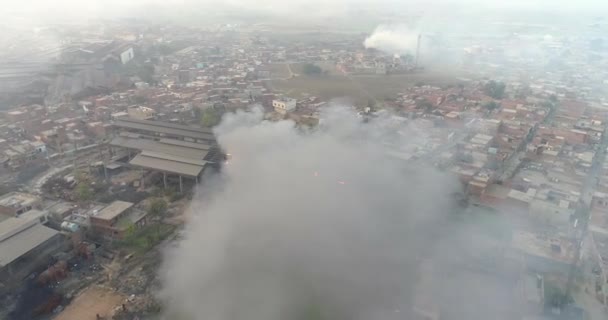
23,242
169,125
173,158
188,144
158,147
170,166
14,225
152,127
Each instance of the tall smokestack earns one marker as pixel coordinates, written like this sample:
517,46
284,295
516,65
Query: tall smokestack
418,49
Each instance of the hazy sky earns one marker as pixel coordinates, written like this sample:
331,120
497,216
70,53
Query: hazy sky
95,8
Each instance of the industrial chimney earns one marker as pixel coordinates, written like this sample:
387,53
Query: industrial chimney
418,49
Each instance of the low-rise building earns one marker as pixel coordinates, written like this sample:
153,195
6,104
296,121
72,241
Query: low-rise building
16,203
26,244
543,253
284,105
115,219
24,152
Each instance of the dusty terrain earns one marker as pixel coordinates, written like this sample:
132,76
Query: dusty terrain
360,88
92,301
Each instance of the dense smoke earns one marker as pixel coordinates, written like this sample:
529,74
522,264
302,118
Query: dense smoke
393,39
307,224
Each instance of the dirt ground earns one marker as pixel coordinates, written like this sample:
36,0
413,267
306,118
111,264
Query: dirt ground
327,66
358,88
279,70
91,301
126,177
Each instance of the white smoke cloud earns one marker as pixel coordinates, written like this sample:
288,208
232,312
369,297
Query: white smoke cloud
308,225
393,39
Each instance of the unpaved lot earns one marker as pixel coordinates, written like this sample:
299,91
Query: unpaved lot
90,302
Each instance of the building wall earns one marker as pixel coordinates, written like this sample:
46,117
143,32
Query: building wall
9,211
283,107
108,230
95,221
127,56
13,211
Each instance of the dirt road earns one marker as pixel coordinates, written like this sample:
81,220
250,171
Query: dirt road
90,302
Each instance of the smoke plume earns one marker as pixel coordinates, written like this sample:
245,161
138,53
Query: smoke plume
393,39
304,225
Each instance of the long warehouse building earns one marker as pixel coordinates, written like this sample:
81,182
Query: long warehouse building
157,129
165,147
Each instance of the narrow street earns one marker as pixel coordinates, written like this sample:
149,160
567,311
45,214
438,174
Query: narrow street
511,165
588,301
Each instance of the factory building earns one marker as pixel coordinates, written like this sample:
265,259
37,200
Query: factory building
26,244
173,150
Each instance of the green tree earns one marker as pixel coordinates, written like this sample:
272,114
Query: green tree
165,49
80,176
547,104
197,113
491,106
495,89
424,104
130,232
83,192
146,72
140,100
553,98
157,207
311,69
210,117
371,104
556,297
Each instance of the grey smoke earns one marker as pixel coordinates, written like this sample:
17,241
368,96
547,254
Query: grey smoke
307,224
399,39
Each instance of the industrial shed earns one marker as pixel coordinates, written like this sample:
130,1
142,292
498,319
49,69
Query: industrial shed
165,129
165,147
25,244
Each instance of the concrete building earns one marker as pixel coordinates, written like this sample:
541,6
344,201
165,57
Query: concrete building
60,210
16,203
141,112
551,213
24,152
114,220
26,244
126,54
544,254
284,105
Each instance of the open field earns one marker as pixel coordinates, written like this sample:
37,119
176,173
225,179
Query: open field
327,66
279,70
91,302
360,89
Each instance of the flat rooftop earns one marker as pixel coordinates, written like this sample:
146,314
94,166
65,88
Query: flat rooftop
18,199
539,246
113,210
167,164
13,225
21,243
169,125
